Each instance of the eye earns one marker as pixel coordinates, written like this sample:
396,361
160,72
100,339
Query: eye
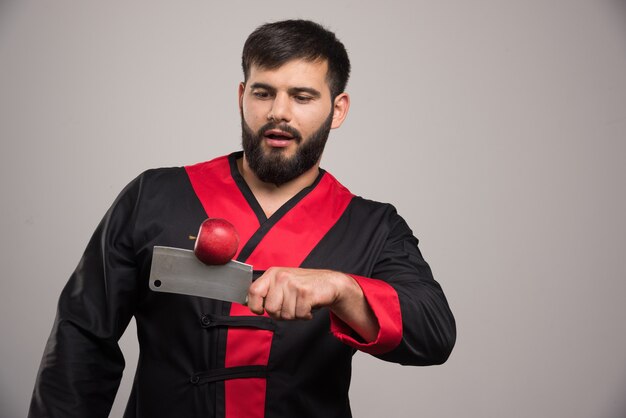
300,98
261,94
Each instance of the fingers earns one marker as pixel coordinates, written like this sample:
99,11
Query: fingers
281,299
274,302
284,293
303,309
256,295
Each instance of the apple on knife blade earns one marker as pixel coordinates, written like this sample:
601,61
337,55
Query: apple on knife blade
208,270
175,270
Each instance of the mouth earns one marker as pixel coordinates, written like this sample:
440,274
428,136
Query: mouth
278,138
278,134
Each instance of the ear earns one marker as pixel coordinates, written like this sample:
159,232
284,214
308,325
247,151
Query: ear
340,110
242,89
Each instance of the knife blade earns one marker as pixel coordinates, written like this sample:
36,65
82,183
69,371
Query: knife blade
176,270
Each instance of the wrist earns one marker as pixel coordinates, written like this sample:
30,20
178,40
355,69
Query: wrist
348,292
352,308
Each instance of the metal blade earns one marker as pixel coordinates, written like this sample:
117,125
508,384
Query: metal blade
175,270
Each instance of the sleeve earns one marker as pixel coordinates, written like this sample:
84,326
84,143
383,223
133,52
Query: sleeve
82,363
416,324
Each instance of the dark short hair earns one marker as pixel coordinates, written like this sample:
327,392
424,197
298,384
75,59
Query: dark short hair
274,44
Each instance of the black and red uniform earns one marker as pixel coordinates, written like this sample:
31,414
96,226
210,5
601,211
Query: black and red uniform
206,358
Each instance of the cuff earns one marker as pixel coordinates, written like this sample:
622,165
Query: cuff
383,299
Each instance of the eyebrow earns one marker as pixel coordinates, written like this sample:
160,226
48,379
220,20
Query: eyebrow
293,90
296,90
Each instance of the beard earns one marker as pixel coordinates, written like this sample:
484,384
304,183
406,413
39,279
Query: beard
273,166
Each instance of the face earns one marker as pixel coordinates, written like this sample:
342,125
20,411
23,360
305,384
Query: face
287,114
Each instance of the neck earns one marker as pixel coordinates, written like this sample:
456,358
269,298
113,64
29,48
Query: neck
270,196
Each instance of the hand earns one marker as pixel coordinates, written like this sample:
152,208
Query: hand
292,293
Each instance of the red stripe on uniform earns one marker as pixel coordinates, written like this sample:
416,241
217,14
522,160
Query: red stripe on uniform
221,198
287,244
296,234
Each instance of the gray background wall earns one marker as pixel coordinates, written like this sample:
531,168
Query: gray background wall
496,127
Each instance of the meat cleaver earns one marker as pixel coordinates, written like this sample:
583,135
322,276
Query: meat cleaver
175,270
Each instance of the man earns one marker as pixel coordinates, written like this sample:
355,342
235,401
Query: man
341,273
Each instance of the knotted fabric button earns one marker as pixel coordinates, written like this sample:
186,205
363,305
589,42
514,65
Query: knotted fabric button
205,320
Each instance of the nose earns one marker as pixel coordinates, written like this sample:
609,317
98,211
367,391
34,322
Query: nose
281,109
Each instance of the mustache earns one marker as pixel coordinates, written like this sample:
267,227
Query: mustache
283,127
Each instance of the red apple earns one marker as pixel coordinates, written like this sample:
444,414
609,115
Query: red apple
217,241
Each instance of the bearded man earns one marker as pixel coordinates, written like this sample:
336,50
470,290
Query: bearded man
338,273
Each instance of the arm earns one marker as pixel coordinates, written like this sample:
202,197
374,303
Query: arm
292,293
416,324
400,314
82,363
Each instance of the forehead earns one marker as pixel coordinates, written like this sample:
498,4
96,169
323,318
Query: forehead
294,73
